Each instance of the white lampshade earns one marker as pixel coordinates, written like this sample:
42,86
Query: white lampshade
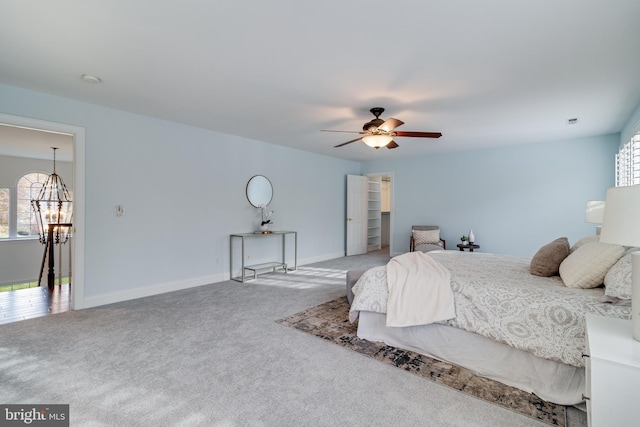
595,212
377,141
621,226
621,222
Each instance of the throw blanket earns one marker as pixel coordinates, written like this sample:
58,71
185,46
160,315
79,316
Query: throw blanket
419,291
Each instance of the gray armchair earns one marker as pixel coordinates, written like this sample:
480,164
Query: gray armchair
416,244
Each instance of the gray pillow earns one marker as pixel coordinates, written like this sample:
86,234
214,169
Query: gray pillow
617,282
546,262
428,247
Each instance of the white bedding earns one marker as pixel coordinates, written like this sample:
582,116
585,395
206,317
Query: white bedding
495,296
419,291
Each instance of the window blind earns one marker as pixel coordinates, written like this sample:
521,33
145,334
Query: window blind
628,162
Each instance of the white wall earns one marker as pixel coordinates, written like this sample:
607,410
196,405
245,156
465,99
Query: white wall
183,189
515,199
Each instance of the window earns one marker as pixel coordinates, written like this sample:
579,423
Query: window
28,188
4,213
628,162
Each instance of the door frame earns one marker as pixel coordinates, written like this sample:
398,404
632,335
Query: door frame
391,205
78,136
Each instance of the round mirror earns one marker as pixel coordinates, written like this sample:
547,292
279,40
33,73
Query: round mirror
259,191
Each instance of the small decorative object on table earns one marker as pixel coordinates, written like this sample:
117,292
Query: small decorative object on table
464,240
471,237
264,229
266,221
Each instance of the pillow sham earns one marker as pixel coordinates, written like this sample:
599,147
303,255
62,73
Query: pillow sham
587,266
426,236
584,241
617,281
546,262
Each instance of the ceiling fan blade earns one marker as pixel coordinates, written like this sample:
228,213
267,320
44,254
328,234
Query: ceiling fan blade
348,142
392,144
390,124
419,134
343,131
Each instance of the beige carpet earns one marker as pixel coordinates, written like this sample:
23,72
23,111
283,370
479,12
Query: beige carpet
329,321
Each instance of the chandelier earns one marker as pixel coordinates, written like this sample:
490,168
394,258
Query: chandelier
53,208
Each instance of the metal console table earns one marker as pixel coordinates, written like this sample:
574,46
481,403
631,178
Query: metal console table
263,266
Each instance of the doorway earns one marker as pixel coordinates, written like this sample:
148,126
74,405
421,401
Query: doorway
385,180
367,228
74,154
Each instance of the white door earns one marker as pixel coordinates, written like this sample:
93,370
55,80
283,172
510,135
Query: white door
357,193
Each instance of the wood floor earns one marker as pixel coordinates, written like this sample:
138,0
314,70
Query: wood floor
28,303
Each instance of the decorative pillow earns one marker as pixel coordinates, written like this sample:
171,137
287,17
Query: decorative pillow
617,282
586,266
546,262
426,236
583,241
428,247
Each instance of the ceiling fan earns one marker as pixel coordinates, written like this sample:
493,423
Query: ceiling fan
380,133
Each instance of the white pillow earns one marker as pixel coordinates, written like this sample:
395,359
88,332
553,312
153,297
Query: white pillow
617,282
587,266
426,236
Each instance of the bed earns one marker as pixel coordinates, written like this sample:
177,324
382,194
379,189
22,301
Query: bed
521,329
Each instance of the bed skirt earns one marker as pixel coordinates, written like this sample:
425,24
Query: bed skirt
551,381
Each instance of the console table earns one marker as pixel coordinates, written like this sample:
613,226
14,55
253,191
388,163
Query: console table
272,265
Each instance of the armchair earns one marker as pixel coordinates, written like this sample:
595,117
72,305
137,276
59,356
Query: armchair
426,238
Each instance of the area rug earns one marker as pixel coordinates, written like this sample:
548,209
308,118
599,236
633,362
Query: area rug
329,321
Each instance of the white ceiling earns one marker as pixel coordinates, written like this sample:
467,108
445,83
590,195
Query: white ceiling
485,74
36,144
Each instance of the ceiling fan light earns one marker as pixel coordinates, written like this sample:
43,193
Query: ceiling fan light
377,141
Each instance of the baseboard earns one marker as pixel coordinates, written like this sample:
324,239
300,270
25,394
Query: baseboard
148,291
177,285
320,258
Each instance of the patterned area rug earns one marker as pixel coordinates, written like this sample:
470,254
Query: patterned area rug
330,322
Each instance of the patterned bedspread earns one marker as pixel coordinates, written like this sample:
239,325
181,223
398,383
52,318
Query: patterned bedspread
496,296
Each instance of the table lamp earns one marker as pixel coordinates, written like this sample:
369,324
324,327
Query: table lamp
595,214
621,226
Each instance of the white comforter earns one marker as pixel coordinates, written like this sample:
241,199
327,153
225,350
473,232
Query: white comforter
496,296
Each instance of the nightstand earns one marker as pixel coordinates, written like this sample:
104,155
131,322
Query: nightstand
471,247
612,364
